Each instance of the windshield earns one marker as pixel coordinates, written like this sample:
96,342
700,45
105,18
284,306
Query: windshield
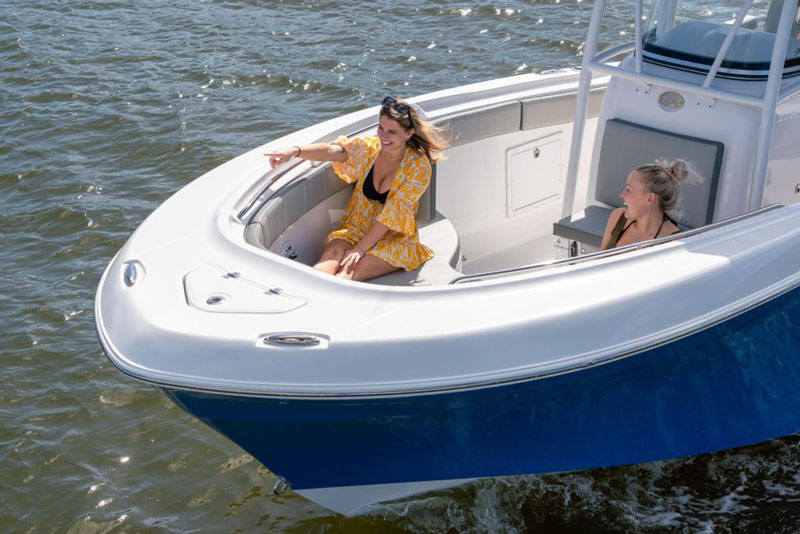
688,34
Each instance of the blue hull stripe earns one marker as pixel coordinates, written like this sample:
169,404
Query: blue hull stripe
734,384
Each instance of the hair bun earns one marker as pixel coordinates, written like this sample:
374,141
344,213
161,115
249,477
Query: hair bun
678,170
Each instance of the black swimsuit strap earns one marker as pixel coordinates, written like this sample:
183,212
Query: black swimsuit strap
620,223
660,226
624,229
622,218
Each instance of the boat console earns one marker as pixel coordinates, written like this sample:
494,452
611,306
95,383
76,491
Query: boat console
692,88
626,145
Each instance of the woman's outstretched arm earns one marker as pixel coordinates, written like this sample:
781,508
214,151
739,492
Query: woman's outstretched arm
315,152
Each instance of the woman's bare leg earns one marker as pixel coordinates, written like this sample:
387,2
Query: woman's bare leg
332,255
366,268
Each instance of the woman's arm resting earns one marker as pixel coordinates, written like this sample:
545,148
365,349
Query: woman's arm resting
373,235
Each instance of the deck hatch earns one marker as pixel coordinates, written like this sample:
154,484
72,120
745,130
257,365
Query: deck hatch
214,289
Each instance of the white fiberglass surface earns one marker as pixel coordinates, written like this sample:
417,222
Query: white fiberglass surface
475,194
537,250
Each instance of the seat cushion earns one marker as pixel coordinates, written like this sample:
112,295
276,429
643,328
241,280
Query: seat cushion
441,236
587,226
627,145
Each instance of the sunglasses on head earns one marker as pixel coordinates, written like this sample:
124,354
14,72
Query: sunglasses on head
391,102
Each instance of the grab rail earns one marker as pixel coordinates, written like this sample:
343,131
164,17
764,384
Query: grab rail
273,175
606,253
277,173
726,44
614,51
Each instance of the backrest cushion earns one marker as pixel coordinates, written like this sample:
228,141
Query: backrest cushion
486,122
546,111
300,197
626,145
427,202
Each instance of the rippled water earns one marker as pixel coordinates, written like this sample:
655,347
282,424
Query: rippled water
107,108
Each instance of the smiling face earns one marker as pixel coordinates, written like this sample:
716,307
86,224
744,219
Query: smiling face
638,200
392,134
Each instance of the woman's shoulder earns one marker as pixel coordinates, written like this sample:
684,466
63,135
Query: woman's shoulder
615,216
614,219
371,140
671,228
417,160
368,142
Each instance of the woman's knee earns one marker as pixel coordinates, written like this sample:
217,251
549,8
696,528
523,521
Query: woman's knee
334,250
369,267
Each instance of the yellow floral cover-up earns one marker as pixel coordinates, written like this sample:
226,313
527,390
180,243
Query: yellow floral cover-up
400,245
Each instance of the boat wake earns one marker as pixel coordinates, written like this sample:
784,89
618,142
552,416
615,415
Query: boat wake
707,493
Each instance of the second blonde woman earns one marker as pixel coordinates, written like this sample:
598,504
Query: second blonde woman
651,194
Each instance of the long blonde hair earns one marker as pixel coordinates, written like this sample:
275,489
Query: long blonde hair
427,138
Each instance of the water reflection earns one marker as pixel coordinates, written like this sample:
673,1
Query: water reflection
110,107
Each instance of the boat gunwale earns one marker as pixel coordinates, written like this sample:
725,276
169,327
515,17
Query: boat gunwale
766,295
497,95
500,273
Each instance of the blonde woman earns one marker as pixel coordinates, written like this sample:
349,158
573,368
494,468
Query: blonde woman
651,193
378,232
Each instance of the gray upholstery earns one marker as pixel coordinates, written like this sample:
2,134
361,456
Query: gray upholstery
299,197
486,122
587,226
427,202
441,236
550,110
291,203
627,145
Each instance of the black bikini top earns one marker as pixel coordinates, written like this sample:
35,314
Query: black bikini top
621,227
369,189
